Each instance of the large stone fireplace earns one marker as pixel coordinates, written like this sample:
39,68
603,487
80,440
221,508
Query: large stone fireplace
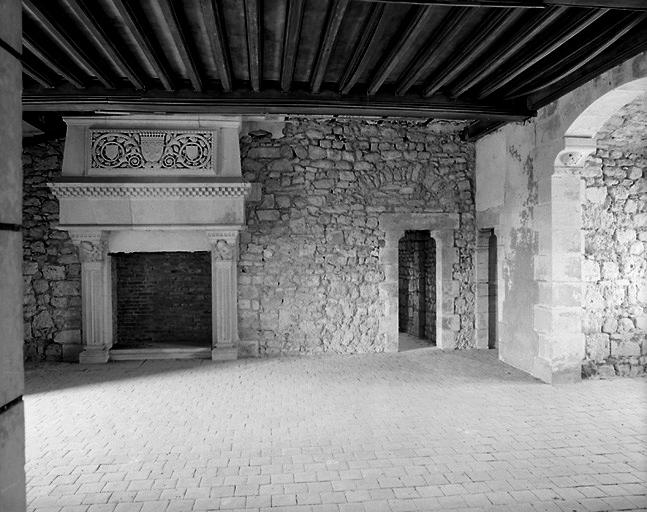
152,184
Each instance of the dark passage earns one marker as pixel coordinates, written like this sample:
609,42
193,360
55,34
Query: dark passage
417,285
162,298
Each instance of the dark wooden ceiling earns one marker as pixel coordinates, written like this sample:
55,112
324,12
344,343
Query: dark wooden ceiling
491,61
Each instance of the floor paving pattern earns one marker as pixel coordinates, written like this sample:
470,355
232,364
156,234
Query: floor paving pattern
412,431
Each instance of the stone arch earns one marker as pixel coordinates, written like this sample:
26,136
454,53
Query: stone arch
558,319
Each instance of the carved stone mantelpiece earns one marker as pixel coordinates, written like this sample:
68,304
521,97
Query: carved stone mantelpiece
153,184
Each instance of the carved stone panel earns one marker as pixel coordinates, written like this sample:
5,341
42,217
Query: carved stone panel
188,150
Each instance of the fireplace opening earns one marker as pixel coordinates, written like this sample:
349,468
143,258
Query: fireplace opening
417,288
161,300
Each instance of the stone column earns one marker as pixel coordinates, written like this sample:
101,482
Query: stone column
96,300
224,294
558,269
12,430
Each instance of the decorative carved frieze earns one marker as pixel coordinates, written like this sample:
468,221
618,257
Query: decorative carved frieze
153,149
148,190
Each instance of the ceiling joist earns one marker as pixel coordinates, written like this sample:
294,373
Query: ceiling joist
68,44
335,18
357,63
212,18
574,27
140,33
118,60
631,5
177,30
291,42
499,22
415,28
253,35
448,27
52,62
497,58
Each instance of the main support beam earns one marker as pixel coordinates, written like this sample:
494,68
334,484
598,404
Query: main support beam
323,56
291,42
92,25
358,60
573,28
273,103
254,42
212,16
145,45
632,5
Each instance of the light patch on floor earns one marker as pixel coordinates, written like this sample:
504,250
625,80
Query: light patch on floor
417,430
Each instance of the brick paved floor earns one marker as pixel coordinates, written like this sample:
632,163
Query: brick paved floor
417,430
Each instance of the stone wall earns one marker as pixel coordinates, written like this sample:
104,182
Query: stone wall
417,284
51,268
310,269
615,231
162,297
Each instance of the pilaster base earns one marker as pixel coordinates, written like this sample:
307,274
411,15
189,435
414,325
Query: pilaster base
543,371
228,353
94,355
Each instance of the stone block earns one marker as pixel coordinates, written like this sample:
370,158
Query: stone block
590,271
12,457
11,316
598,346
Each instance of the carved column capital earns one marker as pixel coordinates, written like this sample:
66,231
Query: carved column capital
93,245
223,244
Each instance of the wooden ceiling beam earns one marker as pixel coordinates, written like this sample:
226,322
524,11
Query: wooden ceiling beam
573,28
357,62
212,17
291,42
574,61
51,62
35,74
448,26
499,21
145,45
335,17
93,26
178,33
271,102
253,30
637,44
480,128
415,27
632,5
67,43
496,59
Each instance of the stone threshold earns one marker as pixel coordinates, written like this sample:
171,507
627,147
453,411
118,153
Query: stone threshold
139,354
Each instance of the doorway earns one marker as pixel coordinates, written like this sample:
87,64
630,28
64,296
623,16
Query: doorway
486,275
417,288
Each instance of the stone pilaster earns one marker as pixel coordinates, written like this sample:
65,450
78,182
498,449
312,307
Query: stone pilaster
96,307
558,269
224,294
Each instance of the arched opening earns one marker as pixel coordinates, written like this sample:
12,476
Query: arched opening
417,289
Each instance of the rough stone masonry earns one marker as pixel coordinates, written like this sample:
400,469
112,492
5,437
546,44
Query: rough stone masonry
615,236
309,269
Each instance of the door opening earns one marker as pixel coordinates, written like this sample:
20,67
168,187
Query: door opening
486,271
417,287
